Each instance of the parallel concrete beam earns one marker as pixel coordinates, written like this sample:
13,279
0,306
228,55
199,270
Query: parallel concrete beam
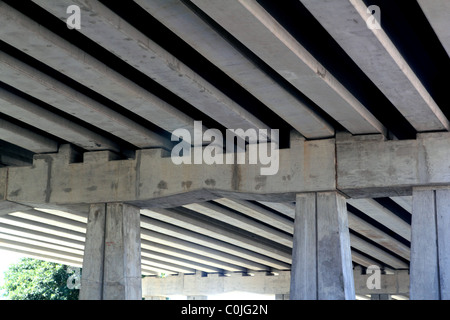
216,232
53,92
38,117
198,34
234,254
28,36
437,13
25,138
109,30
248,22
378,57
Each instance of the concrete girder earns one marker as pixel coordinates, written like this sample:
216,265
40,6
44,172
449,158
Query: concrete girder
25,138
109,30
41,86
198,252
248,22
198,34
371,167
215,231
437,13
214,211
384,216
49,48
381,61
152,180
41,256
147,251
41,236
259,213
30,226
38,117
361,167
251,260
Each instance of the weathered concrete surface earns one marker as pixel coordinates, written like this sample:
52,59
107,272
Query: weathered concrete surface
260,282
430,254
376,55
153,180
321,257
112,258
248,22
437,13
28,36
191,28
370,167
119,37
25,138
45,88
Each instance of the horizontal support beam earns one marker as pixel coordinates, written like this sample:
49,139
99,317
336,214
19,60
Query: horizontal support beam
153,180
358,166
260,282
371,167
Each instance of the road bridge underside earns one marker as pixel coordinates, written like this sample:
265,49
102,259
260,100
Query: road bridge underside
229,219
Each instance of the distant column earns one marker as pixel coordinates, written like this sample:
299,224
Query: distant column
321,259
430,244
112,255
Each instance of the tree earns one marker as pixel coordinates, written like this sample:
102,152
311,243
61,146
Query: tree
32,279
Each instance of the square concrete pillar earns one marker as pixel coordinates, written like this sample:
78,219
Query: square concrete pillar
430,245
321,258
112,254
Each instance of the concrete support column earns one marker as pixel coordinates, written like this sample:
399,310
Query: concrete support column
321,257
430,245
112,254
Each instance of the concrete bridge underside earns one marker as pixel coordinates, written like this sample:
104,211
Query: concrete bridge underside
86,177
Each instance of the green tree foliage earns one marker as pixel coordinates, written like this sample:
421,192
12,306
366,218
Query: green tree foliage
32,279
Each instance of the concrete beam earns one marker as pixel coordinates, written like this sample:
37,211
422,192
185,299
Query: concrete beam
370,167
152,179
256,212
25,224
214,211
234,254
198,34
43,87
58,126
25,138
384,216
437,13
248,22
49,48
198,253
40,256
376,55
261,283
108,30
215,231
